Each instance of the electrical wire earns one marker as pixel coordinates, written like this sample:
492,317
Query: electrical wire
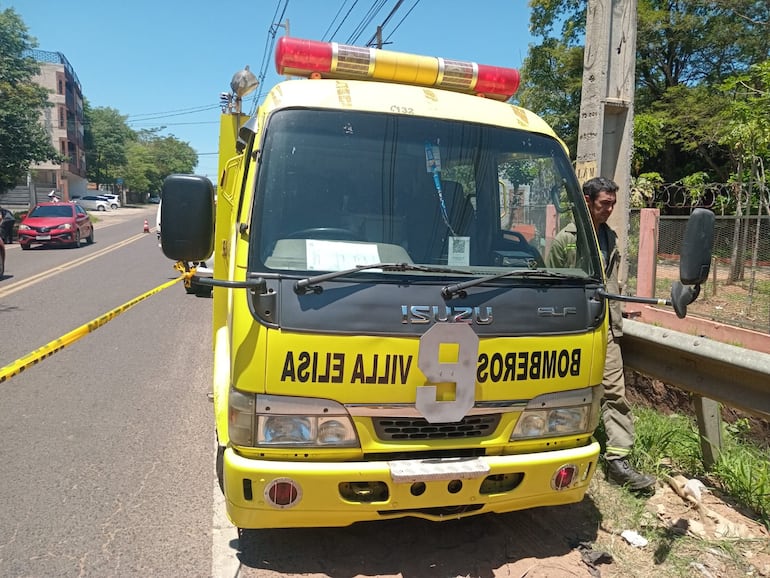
269,45
366,21
343,20
323,37
400,22
384,22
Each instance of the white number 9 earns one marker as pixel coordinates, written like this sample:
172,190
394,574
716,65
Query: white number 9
461,372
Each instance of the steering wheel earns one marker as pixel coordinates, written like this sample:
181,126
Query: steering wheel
324,233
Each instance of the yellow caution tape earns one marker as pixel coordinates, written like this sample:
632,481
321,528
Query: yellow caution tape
49,349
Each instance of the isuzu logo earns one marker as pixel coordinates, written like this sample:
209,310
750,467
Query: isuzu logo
422,314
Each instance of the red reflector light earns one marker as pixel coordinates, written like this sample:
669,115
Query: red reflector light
564,477
282,493
307,55
295,56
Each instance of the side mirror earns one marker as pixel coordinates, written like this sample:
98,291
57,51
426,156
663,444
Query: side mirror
187,218
695,261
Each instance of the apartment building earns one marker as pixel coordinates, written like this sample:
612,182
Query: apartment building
64,123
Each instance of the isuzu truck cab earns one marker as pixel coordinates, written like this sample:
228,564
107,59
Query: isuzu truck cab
387,339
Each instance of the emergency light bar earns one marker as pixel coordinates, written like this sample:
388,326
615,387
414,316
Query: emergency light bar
297,57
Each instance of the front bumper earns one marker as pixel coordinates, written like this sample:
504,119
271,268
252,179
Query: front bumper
321,501
52,238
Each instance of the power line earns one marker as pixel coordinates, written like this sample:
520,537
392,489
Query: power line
416,2
269,45
384,23
171,112
323,37
343,20
366,20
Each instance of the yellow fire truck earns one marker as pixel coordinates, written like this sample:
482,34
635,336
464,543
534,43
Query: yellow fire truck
387,339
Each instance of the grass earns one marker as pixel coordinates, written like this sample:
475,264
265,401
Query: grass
672,443
668,445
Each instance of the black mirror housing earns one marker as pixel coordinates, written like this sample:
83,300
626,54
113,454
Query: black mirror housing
695,260
187,218
697,246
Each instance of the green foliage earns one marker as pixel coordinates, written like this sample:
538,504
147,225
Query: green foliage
23,140
685,50
154,158
695,185
643,189
552,83
106,138
141,159
662,439
666,443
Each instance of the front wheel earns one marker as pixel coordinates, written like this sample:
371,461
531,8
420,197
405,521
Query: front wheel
76,242
220,465
90,238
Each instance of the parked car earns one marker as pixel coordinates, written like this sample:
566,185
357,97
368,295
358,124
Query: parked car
154,199
113,200
93,203
56,224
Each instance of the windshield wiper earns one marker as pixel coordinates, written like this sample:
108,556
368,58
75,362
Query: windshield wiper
312,283
449,291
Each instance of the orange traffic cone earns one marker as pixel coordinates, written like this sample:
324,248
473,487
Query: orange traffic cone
146,226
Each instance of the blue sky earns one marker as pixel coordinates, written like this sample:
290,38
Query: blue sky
164,62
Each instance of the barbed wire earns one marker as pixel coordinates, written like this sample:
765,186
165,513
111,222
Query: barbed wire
719,197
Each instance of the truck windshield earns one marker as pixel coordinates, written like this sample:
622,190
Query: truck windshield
338,189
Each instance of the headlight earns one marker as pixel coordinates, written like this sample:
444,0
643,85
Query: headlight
66,226
559,414
280,421
24,227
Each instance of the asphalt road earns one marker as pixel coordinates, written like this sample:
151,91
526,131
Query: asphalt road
106,445
107,454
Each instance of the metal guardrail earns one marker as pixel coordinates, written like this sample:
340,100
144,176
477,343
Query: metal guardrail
734,376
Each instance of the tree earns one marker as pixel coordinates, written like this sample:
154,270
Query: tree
682,46
152,158
23,139
107,137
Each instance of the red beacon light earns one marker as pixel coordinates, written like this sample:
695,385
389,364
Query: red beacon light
298,57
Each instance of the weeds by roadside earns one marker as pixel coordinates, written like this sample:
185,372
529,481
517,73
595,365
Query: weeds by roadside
685,539
671,443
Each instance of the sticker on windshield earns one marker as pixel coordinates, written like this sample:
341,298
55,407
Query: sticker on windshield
459,251
337,255
432,158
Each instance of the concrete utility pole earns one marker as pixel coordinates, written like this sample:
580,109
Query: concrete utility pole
605,133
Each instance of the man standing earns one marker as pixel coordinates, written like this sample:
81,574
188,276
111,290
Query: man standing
600,195
7,221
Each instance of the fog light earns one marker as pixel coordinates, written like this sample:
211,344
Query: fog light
283,493
564,477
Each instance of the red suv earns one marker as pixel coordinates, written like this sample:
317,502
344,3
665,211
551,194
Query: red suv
56,224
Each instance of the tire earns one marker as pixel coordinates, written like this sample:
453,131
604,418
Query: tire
90,238
24,246
76,242
101,208
114,207
220,466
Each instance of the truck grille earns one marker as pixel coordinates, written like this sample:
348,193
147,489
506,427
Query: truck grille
404,428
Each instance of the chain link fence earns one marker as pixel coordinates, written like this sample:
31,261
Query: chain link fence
738,290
